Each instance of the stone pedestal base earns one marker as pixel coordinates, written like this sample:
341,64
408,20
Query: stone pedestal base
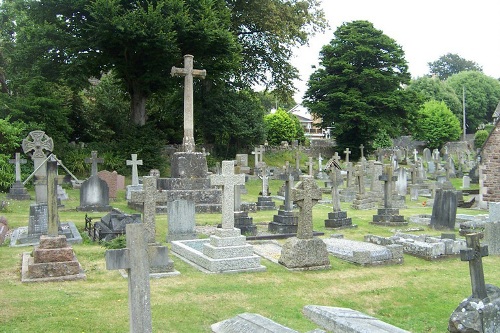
284,223
365,201
389,217
339,220
265,203
245,223
52,260
304,254
188,165
18,192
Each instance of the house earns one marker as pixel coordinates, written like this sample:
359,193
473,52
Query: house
310,124
489,179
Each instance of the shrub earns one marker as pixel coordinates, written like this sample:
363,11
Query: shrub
480,138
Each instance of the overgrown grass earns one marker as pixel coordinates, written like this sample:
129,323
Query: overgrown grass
418,296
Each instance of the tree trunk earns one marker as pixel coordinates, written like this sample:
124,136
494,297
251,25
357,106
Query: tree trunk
138,107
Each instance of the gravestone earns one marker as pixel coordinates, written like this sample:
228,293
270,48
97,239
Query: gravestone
136,259
305,252
241,219
321,174
53,259
264,200
4,228
444,210
37,142
388,215
337,219
226,251
135,186
287,220
112,225
249,322
364,199
181,220
94,192
17,191
479,312
113,180
258,157
242,164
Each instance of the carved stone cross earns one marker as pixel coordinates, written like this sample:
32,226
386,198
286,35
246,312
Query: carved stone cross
52,213
388,178
310,165
259,156
40,142
94,160
347,152
149,196
473,255
362,148
361,180
136,259
228,180
265,179
306,194
17,163
134,162
288,204
189,73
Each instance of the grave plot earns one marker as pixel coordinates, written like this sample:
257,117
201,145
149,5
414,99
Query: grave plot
422,246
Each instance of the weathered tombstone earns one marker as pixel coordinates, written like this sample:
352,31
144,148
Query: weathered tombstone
402,181
337,218
17,191
113,180
466,182
111,225
136,259
444,210
37,142
362,150
426,155
305,252
249,322
94,192
265,201
181,220
321,174
135,186
53,259
479,312
259,157
241,219
310,164
242,163
347,152
189,73
388,215
287,220
4,228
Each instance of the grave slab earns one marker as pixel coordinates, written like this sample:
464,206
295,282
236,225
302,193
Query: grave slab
249,323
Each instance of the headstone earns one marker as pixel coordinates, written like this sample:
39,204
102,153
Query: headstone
181,220
305,252
337,219
17,190
52,259
4,228
241,219
287,220
492,237
426,155
113,180
402,181
135,186
111,225
249,322
479,312
37,142
388,215
94,192
466,182
310,164
259,156
444,210
225,251
189,73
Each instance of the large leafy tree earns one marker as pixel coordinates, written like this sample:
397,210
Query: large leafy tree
435,89
282,126
482,94
358,87
436,124
450,64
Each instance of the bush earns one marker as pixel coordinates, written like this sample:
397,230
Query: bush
382,140
480,138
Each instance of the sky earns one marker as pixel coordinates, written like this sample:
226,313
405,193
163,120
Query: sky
425,29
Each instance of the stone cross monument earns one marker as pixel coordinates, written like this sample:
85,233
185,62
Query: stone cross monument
94,160
134,162
17,190
347,152
306,194
473,254
17,163
189,73
228,180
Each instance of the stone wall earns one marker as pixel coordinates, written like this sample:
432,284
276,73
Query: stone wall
490,166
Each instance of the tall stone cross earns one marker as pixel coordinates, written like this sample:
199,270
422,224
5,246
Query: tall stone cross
134,162
388,179
94,160
320,163
189,73
288,188
136,259
297,159
361,180
306,194
336,179
149,196
362,148
347,152
310,165
415,155
473,254
265,179
52,213
228,180
17,163
259,155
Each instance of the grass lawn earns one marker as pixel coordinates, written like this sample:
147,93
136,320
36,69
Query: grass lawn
418,296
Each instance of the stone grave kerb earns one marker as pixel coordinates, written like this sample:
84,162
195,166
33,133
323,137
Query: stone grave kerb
189,73
17,161
306,194
149,196
94,160
134,162
227,180
473,254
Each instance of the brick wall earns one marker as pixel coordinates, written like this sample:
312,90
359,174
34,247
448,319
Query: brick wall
490,161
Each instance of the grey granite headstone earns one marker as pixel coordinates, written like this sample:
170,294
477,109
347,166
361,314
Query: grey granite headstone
492,237
494,211
94,195
181,220
444,210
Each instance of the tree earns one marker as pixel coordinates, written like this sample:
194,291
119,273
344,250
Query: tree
482,94
358,86
434,89
281,126
450,64
480,138
436,124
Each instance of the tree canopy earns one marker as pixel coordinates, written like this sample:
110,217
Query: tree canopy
431,88
450,64
358,87
282,126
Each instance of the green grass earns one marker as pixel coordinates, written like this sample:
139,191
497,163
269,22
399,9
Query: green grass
418,296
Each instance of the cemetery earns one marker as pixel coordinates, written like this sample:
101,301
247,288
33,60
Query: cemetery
380,274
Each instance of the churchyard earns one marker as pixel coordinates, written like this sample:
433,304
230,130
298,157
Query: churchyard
418,295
